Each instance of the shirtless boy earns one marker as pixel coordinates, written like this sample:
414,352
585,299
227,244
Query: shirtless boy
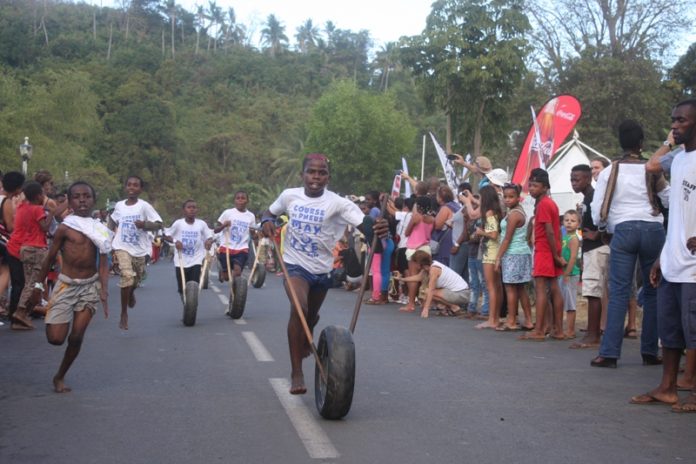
80,287
317,220
132,219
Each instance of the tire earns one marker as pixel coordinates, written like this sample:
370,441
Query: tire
258,277
337,354
205,278
191,306
239,300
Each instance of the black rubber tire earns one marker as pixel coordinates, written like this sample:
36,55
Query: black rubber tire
206,278
259,276
240,296
337,354
191,306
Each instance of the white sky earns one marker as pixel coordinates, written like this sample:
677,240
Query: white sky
387,20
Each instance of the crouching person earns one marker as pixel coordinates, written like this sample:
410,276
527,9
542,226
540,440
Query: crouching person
445,287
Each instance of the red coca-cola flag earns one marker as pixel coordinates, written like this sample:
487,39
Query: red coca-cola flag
554,123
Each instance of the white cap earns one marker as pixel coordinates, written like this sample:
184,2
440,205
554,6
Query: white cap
497,177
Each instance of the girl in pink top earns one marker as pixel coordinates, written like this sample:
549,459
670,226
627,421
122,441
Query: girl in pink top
418,232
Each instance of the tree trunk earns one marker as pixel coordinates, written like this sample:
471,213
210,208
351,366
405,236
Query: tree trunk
164,53
477,129
448,133
94,24
111,36
173,20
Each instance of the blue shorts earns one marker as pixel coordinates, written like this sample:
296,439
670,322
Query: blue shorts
317,282
240,259
676,315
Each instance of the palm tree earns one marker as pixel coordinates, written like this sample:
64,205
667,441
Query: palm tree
273,35
385,62
306,36
217,21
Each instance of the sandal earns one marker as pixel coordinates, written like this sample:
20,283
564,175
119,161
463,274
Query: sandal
372,301
631,333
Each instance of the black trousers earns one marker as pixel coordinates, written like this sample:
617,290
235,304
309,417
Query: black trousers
16,281
192,273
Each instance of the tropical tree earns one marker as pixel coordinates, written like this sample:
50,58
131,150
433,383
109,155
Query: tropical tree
469,60
273,35
362,133
306,36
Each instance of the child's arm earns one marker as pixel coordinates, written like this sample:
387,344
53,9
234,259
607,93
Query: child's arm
573,246
104,280
548,228
513,222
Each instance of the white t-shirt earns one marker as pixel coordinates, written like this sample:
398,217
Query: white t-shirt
677,262
192,237
128,237
236,237
403,218
449,279
630,201
314,226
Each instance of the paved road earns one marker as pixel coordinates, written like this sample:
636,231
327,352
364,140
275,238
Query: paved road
433,390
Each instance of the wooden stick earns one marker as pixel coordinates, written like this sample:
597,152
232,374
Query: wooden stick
363,285
206,260
300,314
256,262
183,277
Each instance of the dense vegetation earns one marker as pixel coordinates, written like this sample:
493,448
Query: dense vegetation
187,102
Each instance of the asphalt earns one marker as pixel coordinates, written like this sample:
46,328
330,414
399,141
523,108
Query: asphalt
434,390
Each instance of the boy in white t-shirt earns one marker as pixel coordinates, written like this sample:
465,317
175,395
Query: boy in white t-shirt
192,237
317,220
235,223
131,220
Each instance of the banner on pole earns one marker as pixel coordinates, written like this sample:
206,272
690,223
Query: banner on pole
396,186
547,132
407,186
450,173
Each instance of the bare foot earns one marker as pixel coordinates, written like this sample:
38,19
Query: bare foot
131,300
407,309
20,318
14,325
688,405
424,314
59,386
298,385
124,322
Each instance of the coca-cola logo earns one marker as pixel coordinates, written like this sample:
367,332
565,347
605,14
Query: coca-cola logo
564,115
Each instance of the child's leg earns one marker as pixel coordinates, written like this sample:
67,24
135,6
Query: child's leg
412,289
80,322
526,306
376,276
511,291
540,305
688,379
557,308
570,324
494,295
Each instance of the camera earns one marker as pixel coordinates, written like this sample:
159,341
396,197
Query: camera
451,157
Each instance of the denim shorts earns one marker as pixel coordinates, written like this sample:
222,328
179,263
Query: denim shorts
676,315
317,282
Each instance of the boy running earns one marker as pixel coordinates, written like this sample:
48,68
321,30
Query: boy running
132,218
80,287
235,241
192,237
317,219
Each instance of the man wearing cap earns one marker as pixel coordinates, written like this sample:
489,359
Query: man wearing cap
481,166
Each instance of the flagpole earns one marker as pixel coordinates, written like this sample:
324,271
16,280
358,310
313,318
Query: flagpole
423,160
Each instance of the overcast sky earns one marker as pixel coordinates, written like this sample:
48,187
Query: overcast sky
387,20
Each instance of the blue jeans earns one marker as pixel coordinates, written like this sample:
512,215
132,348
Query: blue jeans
632,241
477,286
459,262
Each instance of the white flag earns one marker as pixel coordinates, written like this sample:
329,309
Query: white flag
407,187
450,173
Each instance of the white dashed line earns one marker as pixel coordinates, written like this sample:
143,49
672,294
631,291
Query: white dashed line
315,441
215,289
260,351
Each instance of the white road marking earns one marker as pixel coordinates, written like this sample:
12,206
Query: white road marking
315,441
239,321
224,299
260,351
215,289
